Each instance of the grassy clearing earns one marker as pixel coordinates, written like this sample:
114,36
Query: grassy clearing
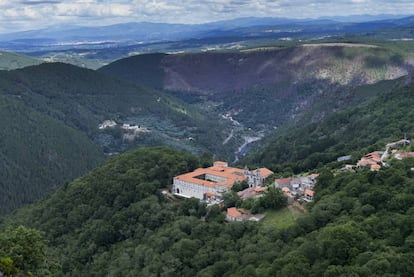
281,218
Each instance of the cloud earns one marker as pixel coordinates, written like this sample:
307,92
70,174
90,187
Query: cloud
23,14
35,2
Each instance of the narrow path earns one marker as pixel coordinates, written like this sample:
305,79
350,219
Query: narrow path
229,137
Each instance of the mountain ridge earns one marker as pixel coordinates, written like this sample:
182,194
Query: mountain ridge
75,101
262,89
124,34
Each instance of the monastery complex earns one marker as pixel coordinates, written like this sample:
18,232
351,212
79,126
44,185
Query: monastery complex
208,184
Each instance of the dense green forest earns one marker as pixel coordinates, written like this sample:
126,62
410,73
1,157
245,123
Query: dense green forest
356,131
38,153
115,222
144,69
49,129
23,253
84,98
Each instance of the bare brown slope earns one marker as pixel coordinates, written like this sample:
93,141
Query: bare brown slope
341,64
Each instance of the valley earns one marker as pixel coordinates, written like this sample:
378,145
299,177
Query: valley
130,157
261,90
223,103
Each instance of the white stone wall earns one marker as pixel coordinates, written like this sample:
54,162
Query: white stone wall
188,189
215,178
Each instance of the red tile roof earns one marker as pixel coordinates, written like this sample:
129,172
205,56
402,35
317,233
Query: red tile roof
233,212
228,175
314,175
375,167
283,180
264,172
406,155
209,194
309,192
285,189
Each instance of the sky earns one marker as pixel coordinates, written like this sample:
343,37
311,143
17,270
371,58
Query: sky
17,15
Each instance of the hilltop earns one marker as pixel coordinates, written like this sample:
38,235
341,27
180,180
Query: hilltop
115,221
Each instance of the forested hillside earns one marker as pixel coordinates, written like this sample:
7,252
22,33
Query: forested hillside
140,69
264,88
9,61
38,153
356,131
115,222
50,126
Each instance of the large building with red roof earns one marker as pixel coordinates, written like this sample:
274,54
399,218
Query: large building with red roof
210,183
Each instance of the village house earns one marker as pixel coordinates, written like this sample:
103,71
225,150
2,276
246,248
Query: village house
252,193
283,182
233,214
208,184
377,159
398,144
308,195
371,160
296,188
288,194
400,156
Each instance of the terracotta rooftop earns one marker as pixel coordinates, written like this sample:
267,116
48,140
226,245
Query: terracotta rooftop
314,175
406,155
309,192
227,175
230,175
375,167
264,172
375,156
286,189
233,212
283,180
209,194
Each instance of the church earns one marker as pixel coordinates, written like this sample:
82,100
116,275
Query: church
208,184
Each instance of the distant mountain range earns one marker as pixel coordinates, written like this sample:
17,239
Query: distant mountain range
76,37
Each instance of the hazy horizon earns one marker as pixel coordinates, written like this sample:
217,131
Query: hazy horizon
35,14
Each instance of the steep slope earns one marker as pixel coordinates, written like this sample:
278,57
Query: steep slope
38,153
115,222
369,126
216,72
68,104
84,98
140,69
9,61
264,89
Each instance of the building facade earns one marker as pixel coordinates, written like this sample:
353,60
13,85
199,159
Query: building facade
208,184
